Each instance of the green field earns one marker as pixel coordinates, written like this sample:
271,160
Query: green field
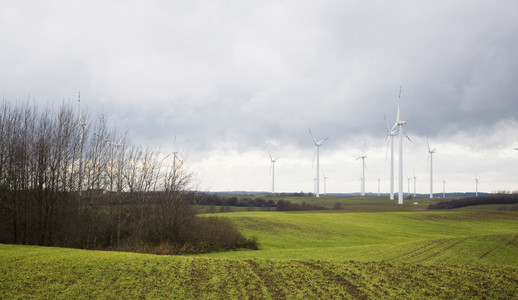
318,255
417,237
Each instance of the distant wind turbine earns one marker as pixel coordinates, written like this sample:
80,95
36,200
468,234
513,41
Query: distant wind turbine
399,125
443,188
408,184
415,180
325,183
432,151
273,171
317,147
363,157
82,124
378,186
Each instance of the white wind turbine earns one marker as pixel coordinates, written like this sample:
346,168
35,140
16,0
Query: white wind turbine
399,125
363,157
273,171
408,185
379,186
415,180
317,147
325,183
443,188
82,124
431,151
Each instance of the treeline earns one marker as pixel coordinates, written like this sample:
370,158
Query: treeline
212,199
279,205
471,201
283,205
66,181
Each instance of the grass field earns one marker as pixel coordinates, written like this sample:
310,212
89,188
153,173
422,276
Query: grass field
318,255
418,237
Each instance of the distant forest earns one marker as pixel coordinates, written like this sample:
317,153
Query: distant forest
472,201
71,182
279,205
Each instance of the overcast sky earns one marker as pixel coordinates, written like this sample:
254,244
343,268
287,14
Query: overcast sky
223,82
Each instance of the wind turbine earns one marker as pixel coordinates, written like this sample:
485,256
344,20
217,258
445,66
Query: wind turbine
273,171
408,184
325,183
363,170
443,188
415,180
378,186
82,124
317,147
399,125
431,167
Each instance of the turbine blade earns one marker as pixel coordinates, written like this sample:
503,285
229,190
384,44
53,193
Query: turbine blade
386,124
394,130
314,141
397,115
271,158
320,142
403,132
428,143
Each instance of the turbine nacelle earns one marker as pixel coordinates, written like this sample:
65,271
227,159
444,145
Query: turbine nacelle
271,158
431,151
315,141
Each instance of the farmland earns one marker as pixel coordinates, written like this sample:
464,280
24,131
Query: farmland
321,254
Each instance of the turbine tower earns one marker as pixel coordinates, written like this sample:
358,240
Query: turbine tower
443,188
432,151
399,125
415,180
273,171
408,185
378,186
363,157
325,183
390,134
317,147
